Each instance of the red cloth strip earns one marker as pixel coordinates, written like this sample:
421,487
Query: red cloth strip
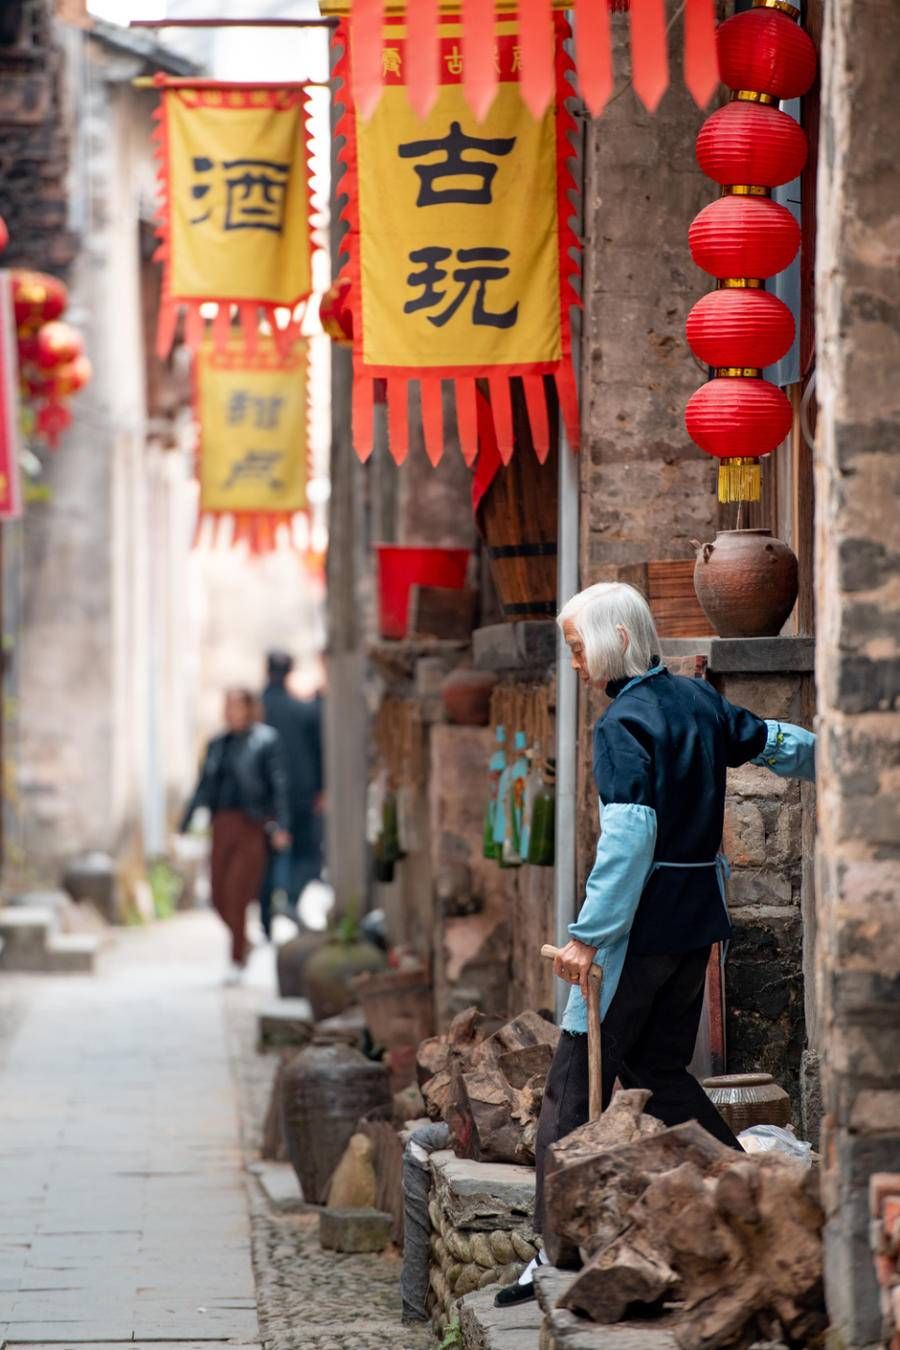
536,402
593,54
649,54
398,417
222,327
165,329
366,43
432,419
479,71
194,327
501,406
363,416
249,323
489,463
568,404
701,61
422,20
537,81
467,419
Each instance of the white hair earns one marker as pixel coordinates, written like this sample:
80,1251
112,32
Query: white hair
600,614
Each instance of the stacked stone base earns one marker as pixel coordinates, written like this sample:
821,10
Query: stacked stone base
481,1216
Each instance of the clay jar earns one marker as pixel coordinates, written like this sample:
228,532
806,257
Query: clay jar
466,695
330,969
327,1089
291,960
746,1099
746,583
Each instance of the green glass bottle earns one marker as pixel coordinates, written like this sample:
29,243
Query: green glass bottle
542,842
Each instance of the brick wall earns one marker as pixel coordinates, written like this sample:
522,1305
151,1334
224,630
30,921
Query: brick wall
34,147
858,550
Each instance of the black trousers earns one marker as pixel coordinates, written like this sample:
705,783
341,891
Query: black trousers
647,1037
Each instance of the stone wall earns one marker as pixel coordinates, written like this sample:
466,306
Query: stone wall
763,840
34,147
858,551
646,490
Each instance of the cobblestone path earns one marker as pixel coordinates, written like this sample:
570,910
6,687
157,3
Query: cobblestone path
309,1299
127,1215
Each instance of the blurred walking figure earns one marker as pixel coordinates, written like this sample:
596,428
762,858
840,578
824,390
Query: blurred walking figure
299,725
243,784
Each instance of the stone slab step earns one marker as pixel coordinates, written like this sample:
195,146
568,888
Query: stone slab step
484,1327
482,1195
72,953
287,1021
25,931
280,1186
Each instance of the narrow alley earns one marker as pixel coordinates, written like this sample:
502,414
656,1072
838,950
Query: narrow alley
128,1214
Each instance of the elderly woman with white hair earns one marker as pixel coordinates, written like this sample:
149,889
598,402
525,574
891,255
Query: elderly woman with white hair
655,900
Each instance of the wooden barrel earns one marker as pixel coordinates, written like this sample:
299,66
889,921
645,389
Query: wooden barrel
518,520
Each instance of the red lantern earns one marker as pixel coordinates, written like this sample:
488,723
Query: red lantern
767,52
57,344
740,328
4,234
69,379
335,313
750,143
52,420
744,237
738,418
37,298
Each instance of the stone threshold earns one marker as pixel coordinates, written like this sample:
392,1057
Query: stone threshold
747,656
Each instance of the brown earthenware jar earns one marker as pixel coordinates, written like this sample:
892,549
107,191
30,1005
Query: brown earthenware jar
746,583
327,1089
466,695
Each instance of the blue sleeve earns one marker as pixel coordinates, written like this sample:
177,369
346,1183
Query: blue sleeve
789,751
614,888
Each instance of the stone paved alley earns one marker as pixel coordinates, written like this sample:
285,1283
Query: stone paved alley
127,1211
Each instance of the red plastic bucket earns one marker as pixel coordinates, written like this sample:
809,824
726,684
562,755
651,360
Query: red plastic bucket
400,568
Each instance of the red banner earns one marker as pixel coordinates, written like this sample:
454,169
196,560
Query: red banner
10,415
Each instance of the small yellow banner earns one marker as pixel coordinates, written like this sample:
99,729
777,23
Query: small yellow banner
234,187
252,412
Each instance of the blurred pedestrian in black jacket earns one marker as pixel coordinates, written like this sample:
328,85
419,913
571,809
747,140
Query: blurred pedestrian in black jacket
299,725
244,785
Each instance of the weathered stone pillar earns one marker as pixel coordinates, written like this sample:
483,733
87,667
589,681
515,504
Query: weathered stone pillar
858,658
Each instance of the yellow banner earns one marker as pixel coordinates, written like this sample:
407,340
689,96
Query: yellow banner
236,225
459,241
252,412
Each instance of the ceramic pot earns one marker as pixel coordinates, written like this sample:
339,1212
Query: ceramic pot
326,1091
291,962
746,583
329,971
466,695
746,1099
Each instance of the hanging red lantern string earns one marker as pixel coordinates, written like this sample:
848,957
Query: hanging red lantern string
748,147
740,328
37,298
55,344
336,314
4,234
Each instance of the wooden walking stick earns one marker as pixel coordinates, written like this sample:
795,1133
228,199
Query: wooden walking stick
595,1050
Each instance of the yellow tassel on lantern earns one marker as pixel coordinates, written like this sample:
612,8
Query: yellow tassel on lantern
740,480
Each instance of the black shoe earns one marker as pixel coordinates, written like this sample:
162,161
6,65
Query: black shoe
514,1293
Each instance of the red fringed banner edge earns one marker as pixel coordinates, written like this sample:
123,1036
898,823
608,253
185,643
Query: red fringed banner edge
648,49
259,530
246,312
465,378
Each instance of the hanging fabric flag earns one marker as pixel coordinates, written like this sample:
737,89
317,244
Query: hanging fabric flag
460,242
234,217
10,417
252,412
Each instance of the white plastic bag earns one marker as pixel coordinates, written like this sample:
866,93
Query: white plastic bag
775,1139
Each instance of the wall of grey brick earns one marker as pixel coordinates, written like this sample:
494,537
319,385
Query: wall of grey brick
646,489
858,549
